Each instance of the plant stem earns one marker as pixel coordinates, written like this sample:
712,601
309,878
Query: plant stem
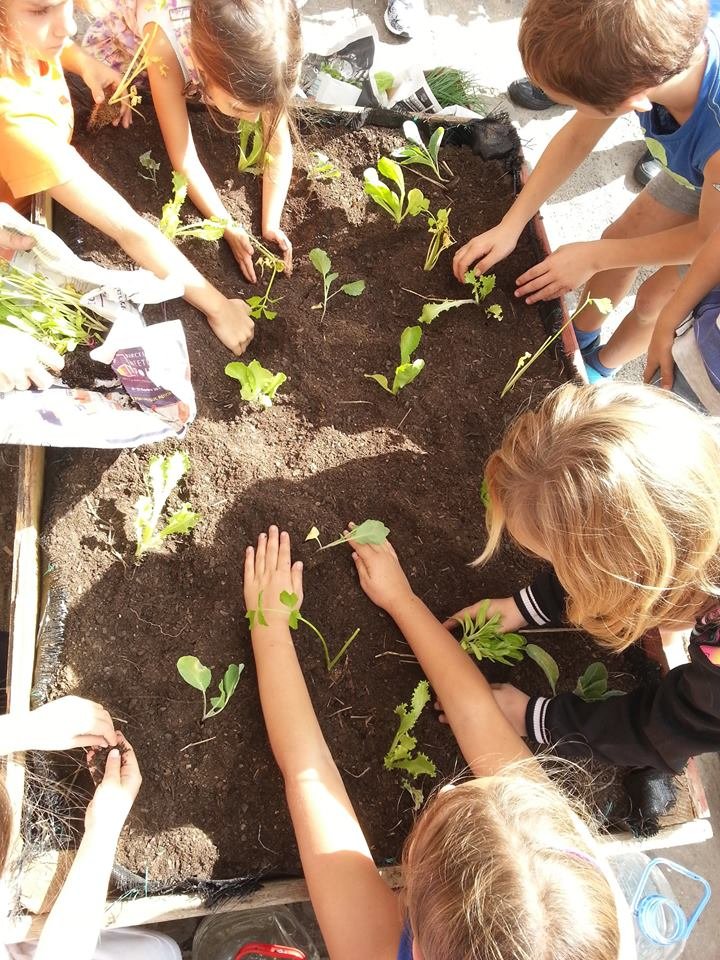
338,656
320,637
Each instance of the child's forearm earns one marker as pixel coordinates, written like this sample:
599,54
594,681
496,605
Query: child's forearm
678,245
276,179
703,275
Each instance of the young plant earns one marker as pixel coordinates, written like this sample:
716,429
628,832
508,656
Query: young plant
415,153
408,369
440,237
322,263
480,287
260,307
170,224
198,676
384,81
161,477
105,112
369,531
402,754
251,149
547,664
593,684
450,86
257,385
152,166
393,202
321,167
51,314
603,304
291,602
495,311
486,641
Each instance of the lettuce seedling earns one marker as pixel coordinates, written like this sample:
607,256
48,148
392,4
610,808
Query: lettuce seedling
480,287
495,311
408,369
198,676
260,306
257,385
393,202
152,166
547,664
369,531
486,641
384,80
161,477
484,493
170,225
603,304
321,167
322,263
251,147
402,755
593,684
415,153
440,237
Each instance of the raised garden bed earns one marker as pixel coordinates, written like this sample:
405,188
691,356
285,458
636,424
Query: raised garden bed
332,447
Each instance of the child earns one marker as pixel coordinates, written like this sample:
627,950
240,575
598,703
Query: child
72,927
36,121
618,488
497,866
605,58
244,55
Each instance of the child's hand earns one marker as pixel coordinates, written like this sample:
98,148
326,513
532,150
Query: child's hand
568,268
513,703
233,325
24,361
276,235
268,569
510,617
66,723
14,241
487,249
659,355
99,77
381,576
242,250
114,796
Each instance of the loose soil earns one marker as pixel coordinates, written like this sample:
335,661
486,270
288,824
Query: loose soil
332,448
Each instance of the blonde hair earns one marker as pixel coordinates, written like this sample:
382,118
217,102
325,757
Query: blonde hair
502,867
13,60
600,52
619,485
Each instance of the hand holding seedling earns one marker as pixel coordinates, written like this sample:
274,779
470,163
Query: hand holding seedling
115,795
568,268
505,607
485,250
233,325
278,236
99,77
269,571
513,703
239,243
381,576
67,723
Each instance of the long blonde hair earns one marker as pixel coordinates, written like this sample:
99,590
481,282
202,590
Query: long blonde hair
620,485
502,867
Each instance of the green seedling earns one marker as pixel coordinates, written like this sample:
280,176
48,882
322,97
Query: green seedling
322,263
260,307
450,86
415,153
257,385
161,477
251,147
127,89
495,311
369,531
402,754
321,167
603,304
440,237
51,314
384,81
486,641
198,676
593,684
547,664
392,201
291,603
484,493
408,369
313,534
170,225
480,287
152,166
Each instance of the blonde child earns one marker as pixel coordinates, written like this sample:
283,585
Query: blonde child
36,122
618,488
243,57
498,866
605,58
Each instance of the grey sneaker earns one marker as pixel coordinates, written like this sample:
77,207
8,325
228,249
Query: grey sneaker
402,17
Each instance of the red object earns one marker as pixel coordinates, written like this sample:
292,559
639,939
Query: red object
272,950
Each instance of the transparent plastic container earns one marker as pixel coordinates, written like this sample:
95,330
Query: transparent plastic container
662,926
277,932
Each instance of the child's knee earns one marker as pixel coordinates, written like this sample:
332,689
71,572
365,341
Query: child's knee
653,294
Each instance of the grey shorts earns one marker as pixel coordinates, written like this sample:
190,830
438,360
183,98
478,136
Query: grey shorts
674,195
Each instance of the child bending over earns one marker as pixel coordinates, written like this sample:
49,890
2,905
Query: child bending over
618,488
36,123
605,58
243,57
498,866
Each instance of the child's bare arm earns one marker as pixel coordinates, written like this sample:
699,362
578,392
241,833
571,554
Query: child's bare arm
276,182
359,916
566,151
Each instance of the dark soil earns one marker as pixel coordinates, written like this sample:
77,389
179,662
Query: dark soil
332,448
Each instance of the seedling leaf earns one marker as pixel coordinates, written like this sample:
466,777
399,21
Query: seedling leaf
409,342
384,80
406,371
431,311
194,673
152,166
484,638
369,531
592,686
161,477
353,289
495,311
547,664
320,260
400,755
313,534
258,386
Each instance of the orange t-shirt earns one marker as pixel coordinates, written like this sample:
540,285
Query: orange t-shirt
36,123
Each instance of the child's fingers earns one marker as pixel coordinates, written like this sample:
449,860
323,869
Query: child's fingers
249,564
296,578
440,712
260,555
273,548
360,566
451,622
284,551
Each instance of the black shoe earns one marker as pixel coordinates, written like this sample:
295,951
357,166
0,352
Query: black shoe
646,169
526,94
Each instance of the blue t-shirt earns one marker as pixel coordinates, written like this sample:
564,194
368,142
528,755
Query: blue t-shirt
405,948
684,149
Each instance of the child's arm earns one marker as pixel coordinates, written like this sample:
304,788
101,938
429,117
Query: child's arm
59,725
358,914
276,181
704,274
511,617
486,739
566,151
166,86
